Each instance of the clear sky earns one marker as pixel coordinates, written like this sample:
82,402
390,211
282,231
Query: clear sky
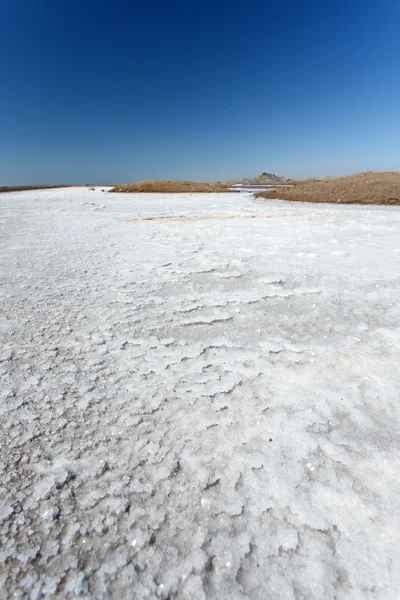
116,91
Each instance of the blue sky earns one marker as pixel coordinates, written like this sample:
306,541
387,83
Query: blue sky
101,91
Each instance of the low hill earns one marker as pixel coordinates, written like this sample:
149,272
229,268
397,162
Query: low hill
154,185
267,179
364,188
271,179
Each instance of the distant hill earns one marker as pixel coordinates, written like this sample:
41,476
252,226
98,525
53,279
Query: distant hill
272,179
267,179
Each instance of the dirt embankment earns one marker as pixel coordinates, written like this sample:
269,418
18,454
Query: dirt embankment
153,185
363,188
23,188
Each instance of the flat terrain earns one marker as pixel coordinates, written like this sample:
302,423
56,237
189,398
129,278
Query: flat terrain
173,186
363,188
199,397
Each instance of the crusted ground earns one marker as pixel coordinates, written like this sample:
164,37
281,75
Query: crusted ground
199,398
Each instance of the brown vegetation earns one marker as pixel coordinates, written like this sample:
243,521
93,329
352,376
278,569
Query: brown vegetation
154,185
363,188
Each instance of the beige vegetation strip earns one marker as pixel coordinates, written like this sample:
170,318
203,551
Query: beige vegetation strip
171,186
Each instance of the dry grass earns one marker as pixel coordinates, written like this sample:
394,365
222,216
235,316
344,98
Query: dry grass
155,186
363,188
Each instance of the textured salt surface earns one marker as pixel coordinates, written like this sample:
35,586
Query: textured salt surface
198,407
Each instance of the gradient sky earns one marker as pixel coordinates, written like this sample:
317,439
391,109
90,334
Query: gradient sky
102,91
